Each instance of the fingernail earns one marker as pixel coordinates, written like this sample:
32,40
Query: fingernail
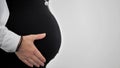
43,33
42,64
44,60
38,65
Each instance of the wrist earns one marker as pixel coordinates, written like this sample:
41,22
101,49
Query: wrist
19,43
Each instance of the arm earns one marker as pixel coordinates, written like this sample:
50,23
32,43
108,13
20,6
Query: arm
8,39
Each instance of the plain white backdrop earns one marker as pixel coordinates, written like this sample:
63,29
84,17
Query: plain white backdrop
90,33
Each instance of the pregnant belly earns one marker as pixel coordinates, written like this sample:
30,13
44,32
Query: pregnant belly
38,23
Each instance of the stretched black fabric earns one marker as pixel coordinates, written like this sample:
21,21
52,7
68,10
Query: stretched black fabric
32,17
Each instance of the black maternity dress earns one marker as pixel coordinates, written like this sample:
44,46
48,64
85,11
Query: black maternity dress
32,17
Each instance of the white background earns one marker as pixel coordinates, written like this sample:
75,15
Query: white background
90,33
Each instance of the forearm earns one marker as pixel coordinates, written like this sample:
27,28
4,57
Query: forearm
8,39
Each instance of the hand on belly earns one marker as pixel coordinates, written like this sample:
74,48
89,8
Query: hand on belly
28,53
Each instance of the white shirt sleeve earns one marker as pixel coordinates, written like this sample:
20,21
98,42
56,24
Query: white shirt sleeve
8,39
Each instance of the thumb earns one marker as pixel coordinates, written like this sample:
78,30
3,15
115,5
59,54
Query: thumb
39,36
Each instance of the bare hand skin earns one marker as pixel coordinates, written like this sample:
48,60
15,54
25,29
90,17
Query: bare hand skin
28,53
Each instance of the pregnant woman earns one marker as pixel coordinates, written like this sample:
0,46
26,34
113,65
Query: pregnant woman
32,17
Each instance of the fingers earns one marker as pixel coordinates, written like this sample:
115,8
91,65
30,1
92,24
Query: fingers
33,62
27,63
39,55
37,61
38,36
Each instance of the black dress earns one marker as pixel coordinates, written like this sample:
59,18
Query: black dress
32,17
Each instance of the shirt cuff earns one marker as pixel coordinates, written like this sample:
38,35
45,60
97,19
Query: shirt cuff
10,41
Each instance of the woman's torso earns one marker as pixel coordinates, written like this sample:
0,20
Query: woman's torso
33,17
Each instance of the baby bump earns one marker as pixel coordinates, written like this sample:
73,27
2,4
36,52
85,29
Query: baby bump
49,46
33,17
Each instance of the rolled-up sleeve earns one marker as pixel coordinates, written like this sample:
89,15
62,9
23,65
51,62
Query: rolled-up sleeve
8,39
